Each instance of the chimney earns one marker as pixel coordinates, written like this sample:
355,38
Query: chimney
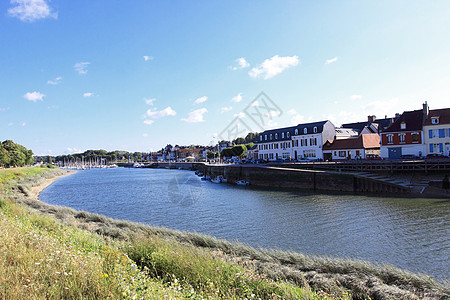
426,110
371,119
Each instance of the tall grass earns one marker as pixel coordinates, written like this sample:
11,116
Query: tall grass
43,257
146,260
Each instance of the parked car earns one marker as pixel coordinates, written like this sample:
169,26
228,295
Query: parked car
435,155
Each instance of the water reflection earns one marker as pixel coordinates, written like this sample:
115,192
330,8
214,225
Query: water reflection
408,233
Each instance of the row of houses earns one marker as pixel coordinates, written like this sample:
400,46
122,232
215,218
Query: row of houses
418,133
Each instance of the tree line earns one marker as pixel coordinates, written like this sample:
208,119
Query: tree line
14,155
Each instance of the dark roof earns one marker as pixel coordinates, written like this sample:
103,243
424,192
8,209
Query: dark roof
292,131
412,119
364,141
442,114
359,126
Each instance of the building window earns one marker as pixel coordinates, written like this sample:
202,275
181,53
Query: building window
309,153
390,138
288,134
315,129
433,133
270,136
305,131
276,136
342,153
265,137
401,137
415,137
402,125
442,133
296,131
260,138
282,135
436,148
435,120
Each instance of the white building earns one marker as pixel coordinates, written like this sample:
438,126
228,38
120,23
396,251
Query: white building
304,141
437,131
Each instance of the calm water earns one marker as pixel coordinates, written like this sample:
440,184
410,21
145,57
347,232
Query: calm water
408,233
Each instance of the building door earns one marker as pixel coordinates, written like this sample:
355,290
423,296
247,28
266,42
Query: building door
395,153
276,156
295,157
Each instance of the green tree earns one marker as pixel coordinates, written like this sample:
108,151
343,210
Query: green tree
239,150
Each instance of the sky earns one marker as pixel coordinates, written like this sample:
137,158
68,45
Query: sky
137,75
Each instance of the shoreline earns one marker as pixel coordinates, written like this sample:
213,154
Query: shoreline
35,191
360,277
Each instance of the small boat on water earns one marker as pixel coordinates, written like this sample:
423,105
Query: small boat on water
242,182
219,179
206,178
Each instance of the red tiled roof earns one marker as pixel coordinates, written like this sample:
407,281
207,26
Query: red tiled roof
364,141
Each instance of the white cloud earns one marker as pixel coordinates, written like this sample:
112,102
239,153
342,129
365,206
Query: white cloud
31,10
149,101
149,122
380,107
196,116
81,67
273,66
254,103
237,98
34,96
355,97
147,58
201,100
225,109
23,124
87,95
296,118
55,81
73,150
240,115
145,135
332,60
241,64
155,114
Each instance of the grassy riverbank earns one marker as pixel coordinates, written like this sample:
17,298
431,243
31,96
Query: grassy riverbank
54,252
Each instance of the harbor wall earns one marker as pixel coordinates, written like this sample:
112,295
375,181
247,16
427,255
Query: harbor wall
303,179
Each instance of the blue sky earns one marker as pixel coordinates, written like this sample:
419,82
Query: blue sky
78,75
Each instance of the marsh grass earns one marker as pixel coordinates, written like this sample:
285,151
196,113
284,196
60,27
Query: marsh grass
192,265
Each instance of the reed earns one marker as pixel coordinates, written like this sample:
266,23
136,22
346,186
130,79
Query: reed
45,255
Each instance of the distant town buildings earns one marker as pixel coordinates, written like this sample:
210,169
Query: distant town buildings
411,134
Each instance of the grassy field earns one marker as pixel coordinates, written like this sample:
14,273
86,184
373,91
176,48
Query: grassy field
51,252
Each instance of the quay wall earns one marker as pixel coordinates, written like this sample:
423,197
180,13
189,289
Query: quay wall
303,179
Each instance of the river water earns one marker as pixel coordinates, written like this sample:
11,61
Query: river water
413,234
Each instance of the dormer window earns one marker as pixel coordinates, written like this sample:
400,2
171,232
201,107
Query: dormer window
265,137
270,136
260,138
282,135
315,130
305,131
288,134
435,120
296,131
276,136
402,125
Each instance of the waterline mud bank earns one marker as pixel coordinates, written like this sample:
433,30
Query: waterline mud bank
359,278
